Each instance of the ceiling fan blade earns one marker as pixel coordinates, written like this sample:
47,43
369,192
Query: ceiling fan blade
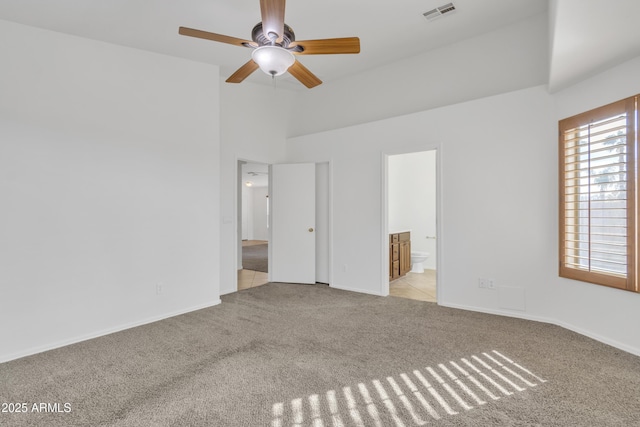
327,46
303,75
273,17
216,37
243,72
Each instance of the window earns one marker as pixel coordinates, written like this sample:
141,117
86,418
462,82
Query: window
598,195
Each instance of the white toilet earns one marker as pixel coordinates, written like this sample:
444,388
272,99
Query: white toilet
417,258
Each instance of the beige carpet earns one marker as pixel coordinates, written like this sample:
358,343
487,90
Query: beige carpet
283,354
255,257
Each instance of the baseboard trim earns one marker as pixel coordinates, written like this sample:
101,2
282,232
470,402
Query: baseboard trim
360,291
228,291
551,321
525,316
103,332
597,337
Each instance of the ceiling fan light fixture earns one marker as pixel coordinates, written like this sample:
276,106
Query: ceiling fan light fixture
274,56
273,60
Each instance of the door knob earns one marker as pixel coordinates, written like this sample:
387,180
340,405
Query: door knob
310,230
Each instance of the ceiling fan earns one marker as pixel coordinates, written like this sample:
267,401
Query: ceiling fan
274,46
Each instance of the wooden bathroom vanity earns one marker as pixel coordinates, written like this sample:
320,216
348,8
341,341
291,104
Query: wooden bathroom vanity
399,254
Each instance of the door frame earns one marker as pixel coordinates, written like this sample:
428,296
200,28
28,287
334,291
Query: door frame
384,256
329,215
238,211
326,221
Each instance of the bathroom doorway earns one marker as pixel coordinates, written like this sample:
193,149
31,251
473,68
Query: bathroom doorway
253,220
412,207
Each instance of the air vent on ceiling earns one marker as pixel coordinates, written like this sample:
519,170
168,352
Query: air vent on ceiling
439,11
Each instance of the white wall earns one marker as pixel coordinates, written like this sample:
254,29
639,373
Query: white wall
412,200
506,59
259,213
253,127
512,57
109,187
476,143
609,315
247,207
254,213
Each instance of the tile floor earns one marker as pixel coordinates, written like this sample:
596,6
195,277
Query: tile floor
253,242
250,279
419,286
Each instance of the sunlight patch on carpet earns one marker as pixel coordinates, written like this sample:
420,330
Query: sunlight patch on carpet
412,398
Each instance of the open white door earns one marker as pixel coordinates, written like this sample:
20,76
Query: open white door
292,242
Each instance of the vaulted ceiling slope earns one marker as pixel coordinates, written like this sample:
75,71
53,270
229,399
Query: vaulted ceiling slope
589,36
585,35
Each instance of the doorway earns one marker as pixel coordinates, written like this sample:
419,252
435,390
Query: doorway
253,220
412,208
321,230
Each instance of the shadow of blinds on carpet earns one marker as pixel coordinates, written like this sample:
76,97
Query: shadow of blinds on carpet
424,394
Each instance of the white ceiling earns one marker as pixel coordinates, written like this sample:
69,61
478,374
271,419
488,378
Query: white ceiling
587,35
388,30
255,173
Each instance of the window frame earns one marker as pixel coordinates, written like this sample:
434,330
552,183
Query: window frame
629,281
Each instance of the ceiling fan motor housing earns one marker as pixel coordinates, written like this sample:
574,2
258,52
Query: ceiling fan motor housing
258,36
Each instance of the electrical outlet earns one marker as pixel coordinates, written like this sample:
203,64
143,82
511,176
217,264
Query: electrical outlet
486,283
159,289
345,268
